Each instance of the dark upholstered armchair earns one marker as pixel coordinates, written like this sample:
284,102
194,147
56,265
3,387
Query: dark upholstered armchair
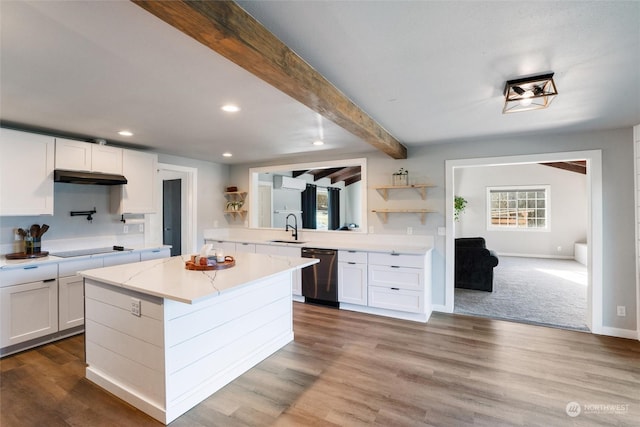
474,264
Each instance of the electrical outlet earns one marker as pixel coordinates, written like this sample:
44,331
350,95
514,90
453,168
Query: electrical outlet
135,307
559,248
622,310
371,229
141,228
442,231
409,230
125,229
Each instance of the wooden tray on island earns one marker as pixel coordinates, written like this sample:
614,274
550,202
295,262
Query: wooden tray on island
24,255
229,262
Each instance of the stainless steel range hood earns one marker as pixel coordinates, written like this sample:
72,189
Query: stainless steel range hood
87,178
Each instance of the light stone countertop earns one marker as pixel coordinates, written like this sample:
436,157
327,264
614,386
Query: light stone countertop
168,277
21,263
393,244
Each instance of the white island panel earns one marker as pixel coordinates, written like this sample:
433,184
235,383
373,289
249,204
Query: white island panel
197,330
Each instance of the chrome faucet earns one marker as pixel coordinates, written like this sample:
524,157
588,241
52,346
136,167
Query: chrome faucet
294,233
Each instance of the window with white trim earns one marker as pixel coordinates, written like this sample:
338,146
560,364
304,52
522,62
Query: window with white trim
520,208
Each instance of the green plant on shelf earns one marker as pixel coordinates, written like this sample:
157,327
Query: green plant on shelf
234,205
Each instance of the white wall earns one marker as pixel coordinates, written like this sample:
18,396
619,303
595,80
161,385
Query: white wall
427,164
567,209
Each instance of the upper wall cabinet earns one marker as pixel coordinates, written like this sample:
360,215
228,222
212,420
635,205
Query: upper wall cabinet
26,173
138,195
84,156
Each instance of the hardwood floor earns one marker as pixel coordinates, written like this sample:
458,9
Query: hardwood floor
352,369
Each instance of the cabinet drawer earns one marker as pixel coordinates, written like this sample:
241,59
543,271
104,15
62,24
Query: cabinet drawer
396,299
352,256
396,277
70,268
121,259
155,254
399,260
27,274
245,247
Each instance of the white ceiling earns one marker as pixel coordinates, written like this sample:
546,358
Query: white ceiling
427,71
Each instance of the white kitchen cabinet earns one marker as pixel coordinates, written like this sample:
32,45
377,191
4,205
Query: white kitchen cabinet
225,246
397,282
245,247
138,195
285,251
118,259
28,303
352,277
155,254
297,274
26,173
70,302
71,291
85,156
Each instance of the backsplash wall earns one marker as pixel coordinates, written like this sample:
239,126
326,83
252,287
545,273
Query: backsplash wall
67,198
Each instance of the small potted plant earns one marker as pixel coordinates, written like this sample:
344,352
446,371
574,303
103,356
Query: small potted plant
401,177
459,204
234,205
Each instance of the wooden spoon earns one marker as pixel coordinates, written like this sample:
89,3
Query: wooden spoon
43,230
35,229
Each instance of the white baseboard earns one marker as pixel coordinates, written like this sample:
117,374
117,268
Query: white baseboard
620,333
536,256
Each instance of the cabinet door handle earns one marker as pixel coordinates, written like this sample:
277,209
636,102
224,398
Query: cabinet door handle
395,266
394,254
49,280
155,250
352,263
30,267
395,289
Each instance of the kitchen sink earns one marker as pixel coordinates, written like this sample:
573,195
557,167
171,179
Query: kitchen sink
297,242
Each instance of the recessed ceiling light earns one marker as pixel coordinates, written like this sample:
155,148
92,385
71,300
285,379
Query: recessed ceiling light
125,133
227,154
229,108
318,142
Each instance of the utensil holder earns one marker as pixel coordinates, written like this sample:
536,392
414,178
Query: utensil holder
32,246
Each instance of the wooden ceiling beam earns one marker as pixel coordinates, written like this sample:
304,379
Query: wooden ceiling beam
227,29
578,166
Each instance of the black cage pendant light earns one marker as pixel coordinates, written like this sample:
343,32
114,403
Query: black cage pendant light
529,93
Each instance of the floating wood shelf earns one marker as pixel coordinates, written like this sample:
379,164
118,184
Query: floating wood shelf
384,212
421,188
240,213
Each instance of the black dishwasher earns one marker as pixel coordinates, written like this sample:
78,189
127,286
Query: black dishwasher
320,281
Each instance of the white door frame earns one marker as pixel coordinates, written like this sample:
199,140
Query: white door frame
189,202
594,222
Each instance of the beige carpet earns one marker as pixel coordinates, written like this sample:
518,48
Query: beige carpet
549,292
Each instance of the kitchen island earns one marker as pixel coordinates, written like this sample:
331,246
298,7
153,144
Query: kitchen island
164,338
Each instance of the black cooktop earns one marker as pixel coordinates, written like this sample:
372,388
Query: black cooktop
92,251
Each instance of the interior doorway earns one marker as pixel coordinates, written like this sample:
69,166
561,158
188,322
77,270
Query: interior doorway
188,178
594,222
172,215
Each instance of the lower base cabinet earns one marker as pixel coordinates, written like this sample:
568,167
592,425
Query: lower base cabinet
70,302
28,310
352,283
